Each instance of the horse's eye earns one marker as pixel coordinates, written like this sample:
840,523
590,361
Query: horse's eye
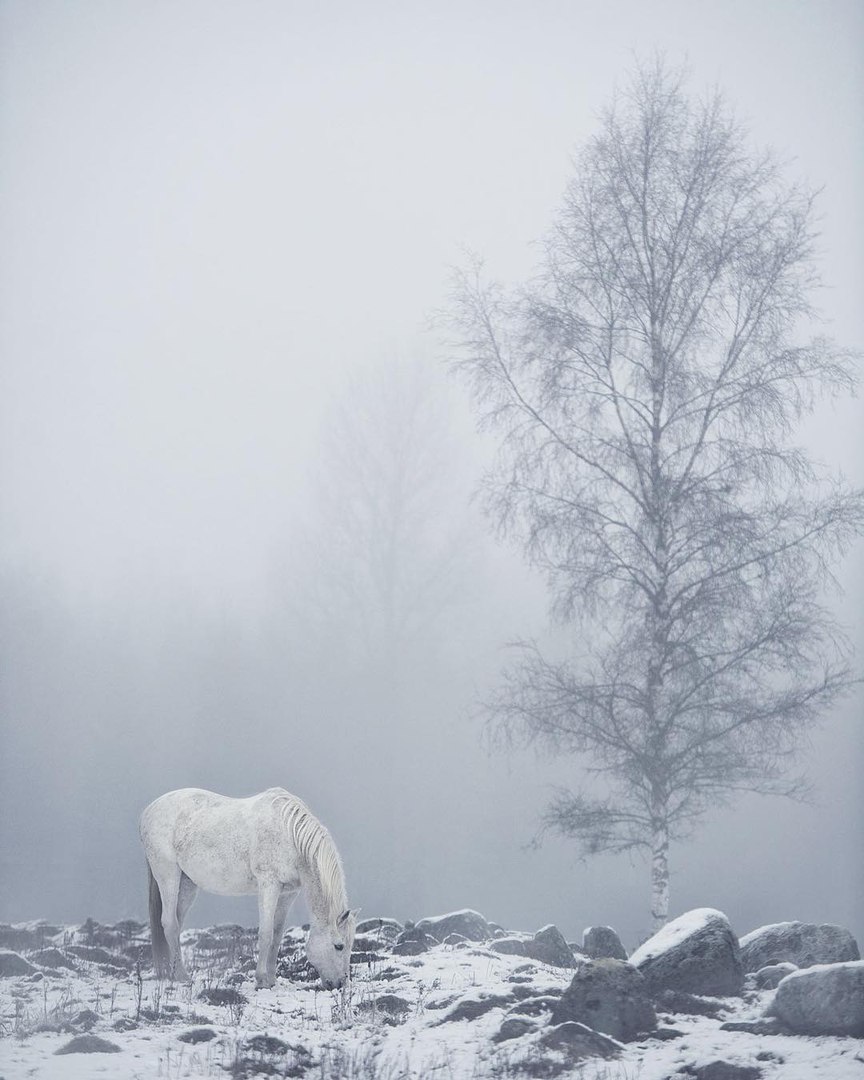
339,947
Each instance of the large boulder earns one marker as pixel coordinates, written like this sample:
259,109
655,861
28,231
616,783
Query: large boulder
549,947
770,977
12,964
470,924
696,953
827,999
602,941
576,1041
609,996
802,944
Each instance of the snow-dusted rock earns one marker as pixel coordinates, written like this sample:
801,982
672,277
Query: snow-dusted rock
13,964
412,942
512,946
722,1070
697,953
550,947
470,924
609,996
576,1041
88,1044
827,999
602,941
802,944
767,978
388,929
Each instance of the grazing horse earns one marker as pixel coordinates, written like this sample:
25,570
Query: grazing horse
269,844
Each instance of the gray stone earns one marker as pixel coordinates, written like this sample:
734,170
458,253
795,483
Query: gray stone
824,1000
609,996
88,1044
13,964
676,1001
767,978
197,1035
602,941
53,958
511,946
470,924
723,1070
549,947
697,953
802,944
577,1041
513,1027
764,1025
388,929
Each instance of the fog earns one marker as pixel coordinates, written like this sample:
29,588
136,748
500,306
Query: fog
238,544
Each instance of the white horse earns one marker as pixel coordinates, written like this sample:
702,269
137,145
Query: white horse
269,844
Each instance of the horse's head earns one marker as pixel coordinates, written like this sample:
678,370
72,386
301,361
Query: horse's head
328,949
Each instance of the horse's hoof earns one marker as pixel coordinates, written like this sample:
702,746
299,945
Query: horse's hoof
264,984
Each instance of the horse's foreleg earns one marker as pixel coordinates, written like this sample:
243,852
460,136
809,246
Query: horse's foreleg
283,906
268,901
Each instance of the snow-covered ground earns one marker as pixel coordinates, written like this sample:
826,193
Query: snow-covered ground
435,1014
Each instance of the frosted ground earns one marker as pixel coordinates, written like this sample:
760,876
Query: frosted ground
434,1014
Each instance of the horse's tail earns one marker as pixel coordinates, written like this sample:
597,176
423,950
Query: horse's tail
158,941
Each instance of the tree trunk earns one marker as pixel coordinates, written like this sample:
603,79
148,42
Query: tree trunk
660,878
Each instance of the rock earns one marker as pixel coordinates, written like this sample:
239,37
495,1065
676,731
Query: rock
540,1005
390,1008
578,1041
697,953
125,1023
197,1035
665,1034
549,947
53,958
388,929
722,1070
17,937
510,946
88,1044
802,944
765,1025
609,996
602,941
474,1008
222,995
514,1027
470,924
675,1001
827,999
95,954
413,941
84,1020
13,964
767,978
265,1044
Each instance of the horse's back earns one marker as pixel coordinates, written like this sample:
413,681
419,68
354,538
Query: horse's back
215,839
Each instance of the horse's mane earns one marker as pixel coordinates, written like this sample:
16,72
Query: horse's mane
316,848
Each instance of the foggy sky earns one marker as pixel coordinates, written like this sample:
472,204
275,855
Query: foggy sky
212,217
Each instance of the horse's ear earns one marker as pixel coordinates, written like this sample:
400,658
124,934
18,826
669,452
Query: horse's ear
343,917
356,912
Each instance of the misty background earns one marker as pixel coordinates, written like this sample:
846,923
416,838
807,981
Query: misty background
237,546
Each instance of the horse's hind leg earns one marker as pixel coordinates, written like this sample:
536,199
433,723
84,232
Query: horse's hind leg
185,898
168,877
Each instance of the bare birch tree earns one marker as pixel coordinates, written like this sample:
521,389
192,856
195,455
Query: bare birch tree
645,389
